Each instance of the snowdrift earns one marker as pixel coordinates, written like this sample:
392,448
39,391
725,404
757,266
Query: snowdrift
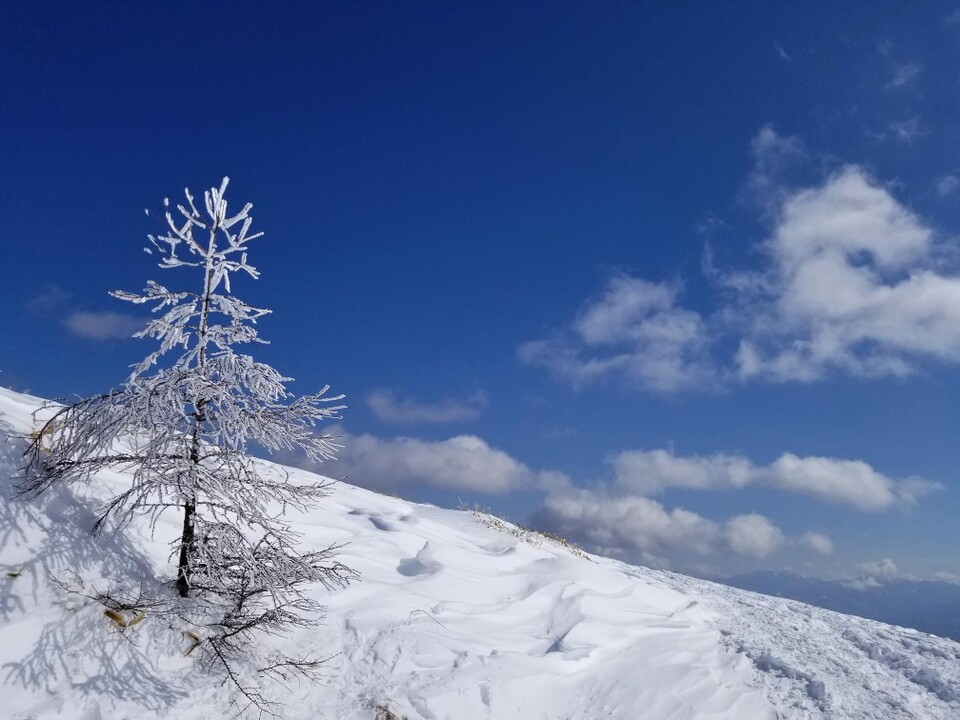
455,618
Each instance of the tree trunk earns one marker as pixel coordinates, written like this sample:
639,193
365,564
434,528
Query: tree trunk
186,542
190,505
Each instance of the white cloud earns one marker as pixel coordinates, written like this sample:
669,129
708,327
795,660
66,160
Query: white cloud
863,583
855,286
391,408
629,523
875,573
103,325
634,333
847,482
885,568
904,74
851,281
818,542
619,514
946,576
652,471
773,155
850,213
947,184
752,535
844,482
55,302
640,527
906,131
464,462
782,54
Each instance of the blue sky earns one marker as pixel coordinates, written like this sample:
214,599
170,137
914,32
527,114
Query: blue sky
681,281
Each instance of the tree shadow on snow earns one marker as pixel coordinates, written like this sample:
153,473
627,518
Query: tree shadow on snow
77,647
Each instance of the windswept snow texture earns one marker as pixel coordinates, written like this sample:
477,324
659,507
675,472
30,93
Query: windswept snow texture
452,620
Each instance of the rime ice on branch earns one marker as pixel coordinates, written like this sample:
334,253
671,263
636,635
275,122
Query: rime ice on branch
182,423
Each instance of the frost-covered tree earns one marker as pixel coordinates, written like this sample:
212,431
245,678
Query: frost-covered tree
182,425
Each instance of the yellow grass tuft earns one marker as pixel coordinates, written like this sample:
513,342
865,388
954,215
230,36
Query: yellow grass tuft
195,642
119,620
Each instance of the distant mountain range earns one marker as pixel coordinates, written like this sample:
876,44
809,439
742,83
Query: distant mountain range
928,605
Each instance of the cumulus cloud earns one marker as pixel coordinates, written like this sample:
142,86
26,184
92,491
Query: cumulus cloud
619,514
752,535
105,325
649,472
874,574
464,462
629,523
851,281
863,583
390,407
856,287
635,333
885,568
818,542
844,482
640,527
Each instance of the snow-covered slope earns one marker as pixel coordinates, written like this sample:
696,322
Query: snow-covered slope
453,619
929,605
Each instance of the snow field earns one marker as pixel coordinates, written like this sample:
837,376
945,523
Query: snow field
483,625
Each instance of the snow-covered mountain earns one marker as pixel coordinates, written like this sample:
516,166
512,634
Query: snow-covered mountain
928,605
457,616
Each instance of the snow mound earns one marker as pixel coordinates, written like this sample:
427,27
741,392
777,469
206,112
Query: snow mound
453,619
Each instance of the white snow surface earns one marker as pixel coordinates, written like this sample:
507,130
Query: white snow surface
454,619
